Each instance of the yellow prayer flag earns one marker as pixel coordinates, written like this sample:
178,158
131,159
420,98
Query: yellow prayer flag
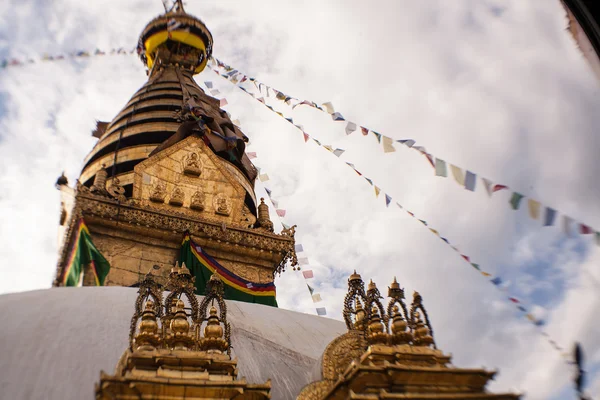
388,146
534,208
329,107
531,317
434,231
458,175
328,147
485,273
377,191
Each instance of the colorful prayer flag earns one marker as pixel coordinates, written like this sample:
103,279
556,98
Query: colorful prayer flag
499,187
488,185
338,152
496,281
440,168
303,261
337,117
388,200
550,215
251,155
515,200
458,175
476,266
377,135
567,225
263,177
329,107
321,311
209,84
316,298
485,273
407,142
514,300
305,137
350,127
585,230
470,180
308,274
310,289
223,102
534,208
377,191
281,213
298,248
388,146
364,130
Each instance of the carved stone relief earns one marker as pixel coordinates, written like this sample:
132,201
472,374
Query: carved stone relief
222,204
177,197
192,164
159,192
197,202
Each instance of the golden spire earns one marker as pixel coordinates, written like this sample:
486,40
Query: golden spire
213,341
148,339
180,337
376,331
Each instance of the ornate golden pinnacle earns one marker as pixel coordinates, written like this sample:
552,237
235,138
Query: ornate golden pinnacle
355,277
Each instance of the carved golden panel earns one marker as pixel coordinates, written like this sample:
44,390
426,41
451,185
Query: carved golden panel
190,177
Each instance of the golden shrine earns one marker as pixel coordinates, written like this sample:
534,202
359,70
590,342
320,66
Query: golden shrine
172,163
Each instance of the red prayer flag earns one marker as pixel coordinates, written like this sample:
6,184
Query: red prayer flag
364,130
281,213
499,187
306,137
308,274
513,300
585,230
465,257
251,155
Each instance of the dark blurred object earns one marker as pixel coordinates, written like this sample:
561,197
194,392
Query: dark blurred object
584,25
580,377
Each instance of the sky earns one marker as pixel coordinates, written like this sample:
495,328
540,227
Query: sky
496,87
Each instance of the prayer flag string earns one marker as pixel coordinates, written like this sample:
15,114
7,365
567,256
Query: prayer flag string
494,280
463,177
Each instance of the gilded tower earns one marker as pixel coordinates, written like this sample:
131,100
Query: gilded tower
171,162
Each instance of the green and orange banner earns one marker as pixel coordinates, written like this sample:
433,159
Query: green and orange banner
202,266
82,253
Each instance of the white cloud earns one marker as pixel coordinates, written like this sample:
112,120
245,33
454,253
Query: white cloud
495,87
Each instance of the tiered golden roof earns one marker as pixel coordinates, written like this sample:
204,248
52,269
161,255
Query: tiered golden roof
176,354
390,353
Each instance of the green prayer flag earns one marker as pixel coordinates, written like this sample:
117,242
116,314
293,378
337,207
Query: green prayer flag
515,200
311,290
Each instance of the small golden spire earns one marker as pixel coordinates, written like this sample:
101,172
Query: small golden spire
148,339
421,332
360,315
376,333
399,333
395,285
213,341
180,338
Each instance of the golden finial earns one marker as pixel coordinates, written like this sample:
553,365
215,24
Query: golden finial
175,269
213,341
147,339
184,270
376,333
180,337
421,332
354,277
395,284
372,285
360,315
400,335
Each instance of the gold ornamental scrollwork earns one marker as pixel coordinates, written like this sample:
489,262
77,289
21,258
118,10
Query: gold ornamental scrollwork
341,352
